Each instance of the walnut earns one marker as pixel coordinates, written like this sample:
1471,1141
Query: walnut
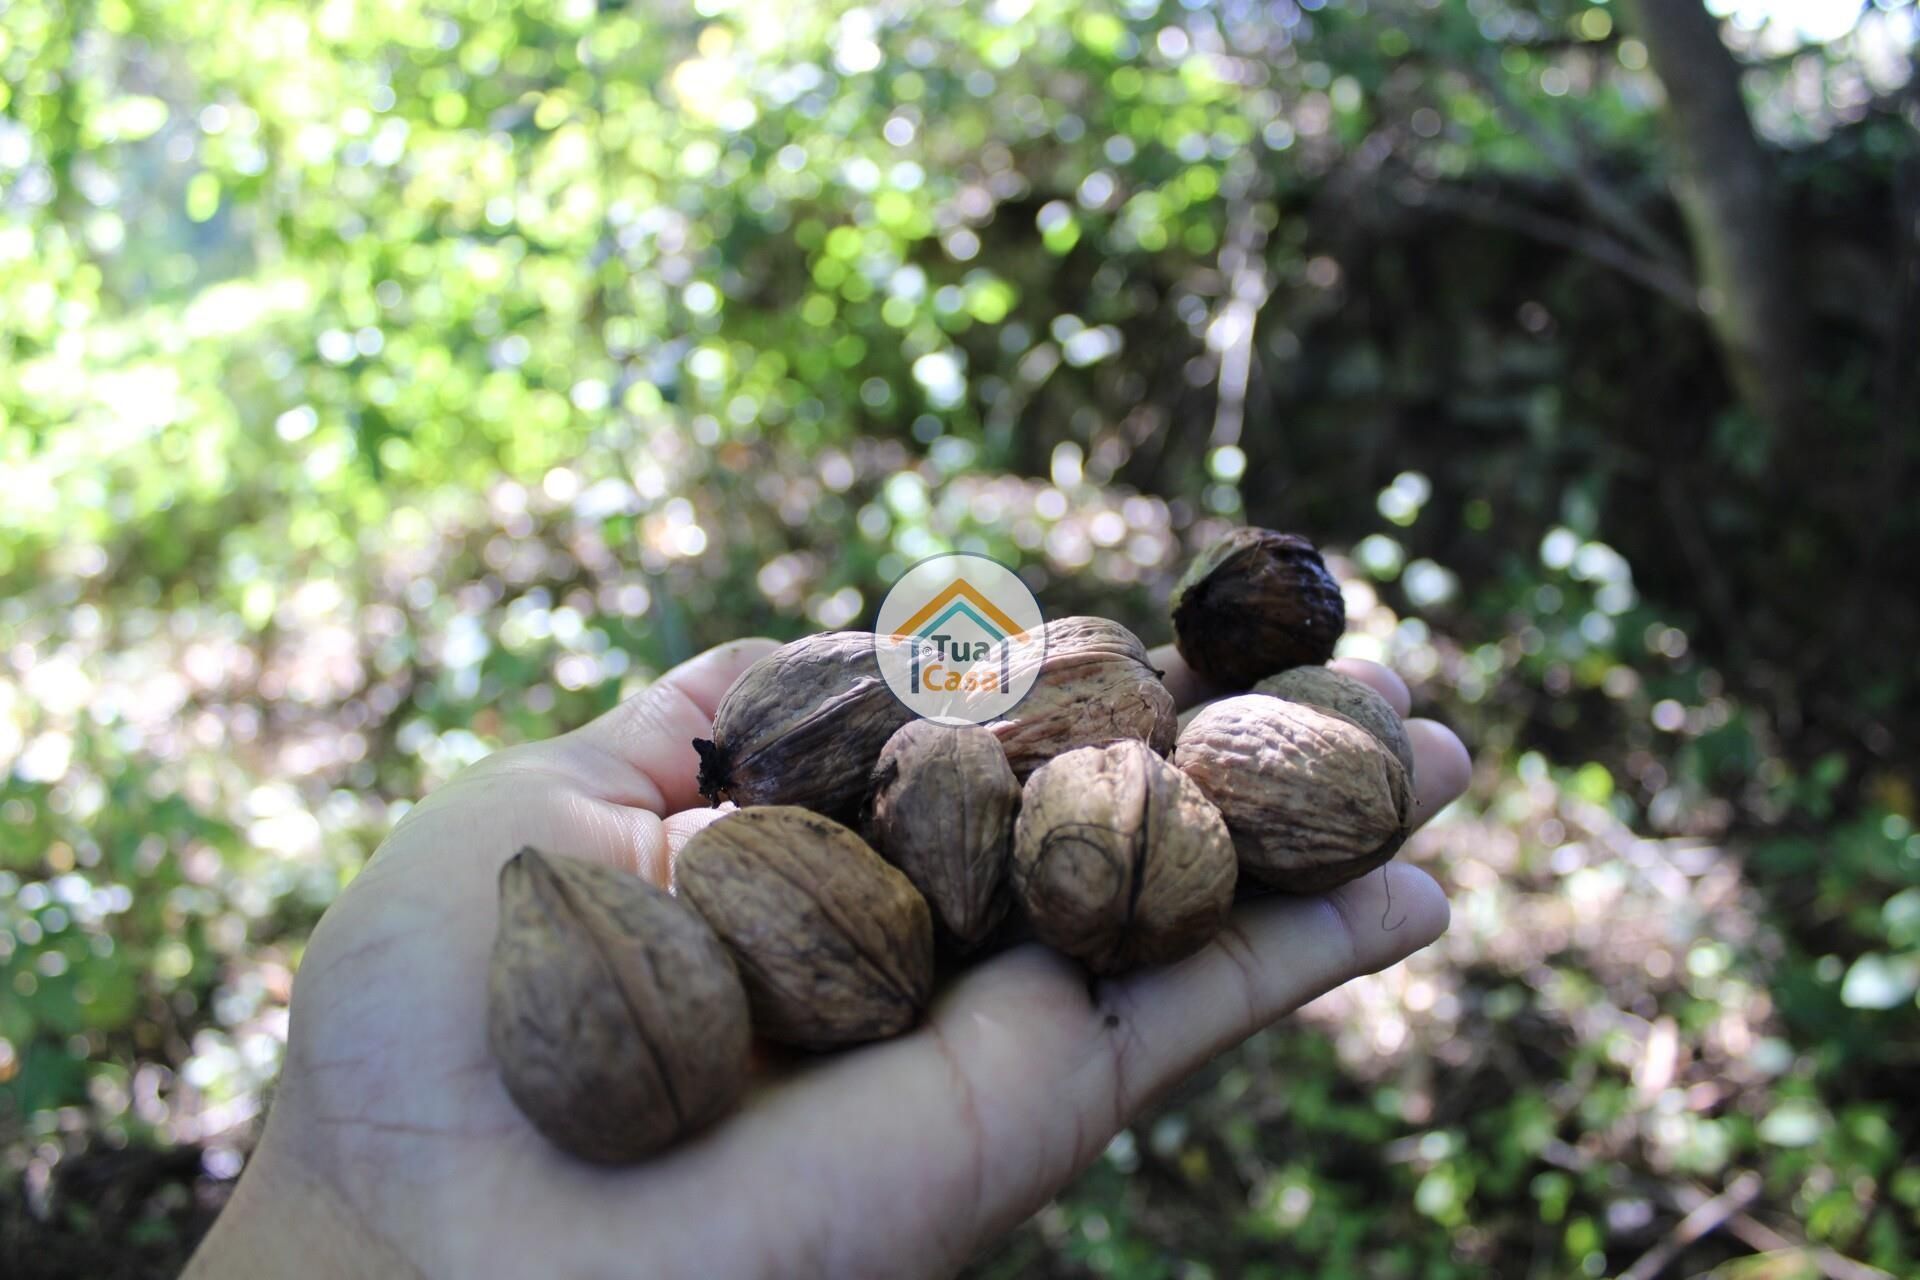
1312,799
615,1015
804,726
1344,696
1254,603
943,804
834,945
1095,686
1119,859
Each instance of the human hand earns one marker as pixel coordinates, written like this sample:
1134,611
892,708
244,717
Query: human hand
392,1146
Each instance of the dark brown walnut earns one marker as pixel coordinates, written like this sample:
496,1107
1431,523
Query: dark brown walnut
803,726
1254,603
1312,799
943,804
1095,686
1119,860
615,1015
1358,701
834,946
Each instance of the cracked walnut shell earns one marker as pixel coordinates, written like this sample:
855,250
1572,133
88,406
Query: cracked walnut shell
1119,860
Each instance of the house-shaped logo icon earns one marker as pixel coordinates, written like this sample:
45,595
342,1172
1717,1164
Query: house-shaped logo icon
952,638
936,633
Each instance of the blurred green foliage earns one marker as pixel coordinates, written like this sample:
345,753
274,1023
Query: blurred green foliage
385,381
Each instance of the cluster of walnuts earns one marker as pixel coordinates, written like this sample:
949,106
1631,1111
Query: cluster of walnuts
865,838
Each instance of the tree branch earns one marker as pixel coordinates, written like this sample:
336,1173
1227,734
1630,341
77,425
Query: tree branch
1660,277
1707,1218
1729,194
1594,189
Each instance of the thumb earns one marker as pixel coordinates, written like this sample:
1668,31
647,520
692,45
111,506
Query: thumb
641,753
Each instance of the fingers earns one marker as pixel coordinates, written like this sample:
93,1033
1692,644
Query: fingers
641,753
1064,1078
679,829
1275,955
1043,1080
1441,768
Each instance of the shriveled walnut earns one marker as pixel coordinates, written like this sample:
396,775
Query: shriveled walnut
616,1017
1253,603
1119,859
943,804
834,945
804,726
1095,686
1312,799
1329,690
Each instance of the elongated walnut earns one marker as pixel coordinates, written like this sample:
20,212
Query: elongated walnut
1329,690
804,726
615,1015
834,945
1312,799
1119,859
1254,603
943,805
1095,686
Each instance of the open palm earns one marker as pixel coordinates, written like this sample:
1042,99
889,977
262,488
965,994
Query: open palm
391,1129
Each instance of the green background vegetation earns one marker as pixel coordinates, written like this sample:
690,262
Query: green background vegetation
384,381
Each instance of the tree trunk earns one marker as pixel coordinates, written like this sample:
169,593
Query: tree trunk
1729,194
